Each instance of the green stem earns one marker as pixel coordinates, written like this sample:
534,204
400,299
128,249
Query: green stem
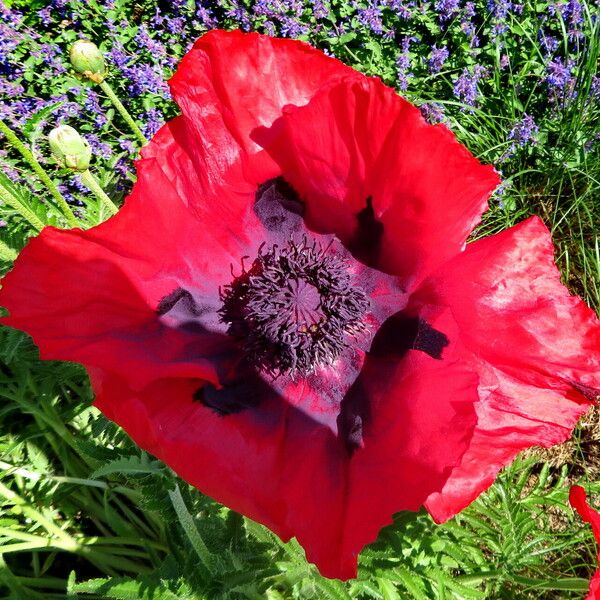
103,541
119,106
90,182
38,169
19,591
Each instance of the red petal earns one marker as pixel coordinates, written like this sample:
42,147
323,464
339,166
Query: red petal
578,500
358,140
272,463
282,467
535,348
91,296
421,419
594,593
232,82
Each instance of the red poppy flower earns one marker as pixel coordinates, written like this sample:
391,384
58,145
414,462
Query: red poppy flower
578,501
285,313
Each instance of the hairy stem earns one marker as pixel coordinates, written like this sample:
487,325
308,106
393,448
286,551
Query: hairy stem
123,111
92,184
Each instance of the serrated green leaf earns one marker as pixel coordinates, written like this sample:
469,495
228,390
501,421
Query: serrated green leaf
29,127
129,465
388,589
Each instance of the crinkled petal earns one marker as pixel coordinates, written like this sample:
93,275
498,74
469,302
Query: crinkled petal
232,82
404,195
412,405
535,348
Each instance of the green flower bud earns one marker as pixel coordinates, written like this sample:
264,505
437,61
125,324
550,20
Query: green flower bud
69,148
87,59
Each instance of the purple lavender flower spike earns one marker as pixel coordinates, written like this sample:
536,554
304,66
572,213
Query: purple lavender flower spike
560,79
372,18
152,121
465,87
403,63
447,9
432,112
127,145
437,58
524,131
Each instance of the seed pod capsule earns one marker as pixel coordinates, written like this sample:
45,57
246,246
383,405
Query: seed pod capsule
69,148
87,60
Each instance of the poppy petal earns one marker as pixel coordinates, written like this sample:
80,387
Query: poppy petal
232,82
92,296
403,194
578,501
175,171
535,348
412,405
280,466
594,593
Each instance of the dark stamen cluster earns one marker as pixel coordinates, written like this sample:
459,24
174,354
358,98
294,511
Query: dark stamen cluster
294,308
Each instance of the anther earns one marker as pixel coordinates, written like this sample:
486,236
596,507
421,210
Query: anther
295,308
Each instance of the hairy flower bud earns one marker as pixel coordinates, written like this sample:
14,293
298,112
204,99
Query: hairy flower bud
87,59
69,148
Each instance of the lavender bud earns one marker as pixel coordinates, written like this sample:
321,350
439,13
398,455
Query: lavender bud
69,148
87,59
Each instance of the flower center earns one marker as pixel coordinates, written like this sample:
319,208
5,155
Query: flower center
294,309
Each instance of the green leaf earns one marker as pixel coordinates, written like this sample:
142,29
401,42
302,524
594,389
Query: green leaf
411,582
388,589
30,126
19,199
191,531
125,589
7,253
346,38
129,465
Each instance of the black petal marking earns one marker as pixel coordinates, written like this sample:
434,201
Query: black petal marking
400,333
588,392
279,207
246,391
353,415
183,300
225,401
365,244
350,429
430,340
